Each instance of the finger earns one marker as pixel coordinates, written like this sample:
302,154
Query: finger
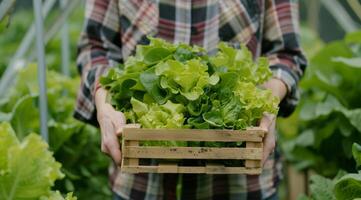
119,121
266,121
103,148
253,128
120,131
266,153
269,147
113,147
131,126
106,129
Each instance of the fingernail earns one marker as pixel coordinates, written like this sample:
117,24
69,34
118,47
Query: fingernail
119,130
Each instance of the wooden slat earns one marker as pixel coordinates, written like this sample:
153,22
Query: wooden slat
254,163
212,167
133,161
125,161
167,168
193,170
193,153
192,135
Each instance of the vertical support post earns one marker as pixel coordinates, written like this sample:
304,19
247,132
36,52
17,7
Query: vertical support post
253,163
313,12
41,68
127,143
65,47
133,161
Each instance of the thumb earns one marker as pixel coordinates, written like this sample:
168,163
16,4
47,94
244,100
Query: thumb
118,120
266,121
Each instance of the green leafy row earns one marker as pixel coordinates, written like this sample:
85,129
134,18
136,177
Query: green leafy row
329,115
179,86
343,187
28,169
74,144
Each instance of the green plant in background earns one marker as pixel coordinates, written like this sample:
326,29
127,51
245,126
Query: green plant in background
74,144
28,169
342,187
330,109
21,20
311,43
12,35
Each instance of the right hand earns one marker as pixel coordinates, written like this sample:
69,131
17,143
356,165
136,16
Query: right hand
111,124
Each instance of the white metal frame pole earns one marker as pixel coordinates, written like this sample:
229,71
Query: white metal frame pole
5,7
9,75
340,15
43,101
65,45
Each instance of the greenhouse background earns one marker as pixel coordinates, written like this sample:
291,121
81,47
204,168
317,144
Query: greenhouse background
318,142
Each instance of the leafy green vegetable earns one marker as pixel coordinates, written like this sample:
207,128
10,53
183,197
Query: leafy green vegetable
57,196
343,186
67,137
321,188
27,168
168,115
348,187
356,152
179,86
189,78
330,110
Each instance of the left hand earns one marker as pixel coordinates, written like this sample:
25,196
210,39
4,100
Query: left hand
268,122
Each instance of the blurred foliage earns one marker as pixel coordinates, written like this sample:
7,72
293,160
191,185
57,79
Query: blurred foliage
329,115
342,187
311,44
11,36
20,21
310,41
75,145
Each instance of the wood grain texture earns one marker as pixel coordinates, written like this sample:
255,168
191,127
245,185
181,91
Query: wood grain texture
254,163
132,152
193,153
192,135
192,170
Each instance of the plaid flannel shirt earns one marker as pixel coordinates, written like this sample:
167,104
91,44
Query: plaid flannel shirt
111,32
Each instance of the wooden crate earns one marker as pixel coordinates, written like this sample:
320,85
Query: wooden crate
132,152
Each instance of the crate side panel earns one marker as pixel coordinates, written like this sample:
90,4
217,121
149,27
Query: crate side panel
193,153
193,135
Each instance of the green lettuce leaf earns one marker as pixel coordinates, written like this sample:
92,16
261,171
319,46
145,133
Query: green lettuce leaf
241,62
168,115
348,187
189,78
57,196
356,152
321,188
151,83
27,169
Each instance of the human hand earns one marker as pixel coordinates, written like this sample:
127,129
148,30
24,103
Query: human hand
268,124
111,124
268,121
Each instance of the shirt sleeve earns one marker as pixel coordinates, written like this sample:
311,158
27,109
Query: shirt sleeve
281,44
99,48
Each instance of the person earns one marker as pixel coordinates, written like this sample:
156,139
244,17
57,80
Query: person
111,32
